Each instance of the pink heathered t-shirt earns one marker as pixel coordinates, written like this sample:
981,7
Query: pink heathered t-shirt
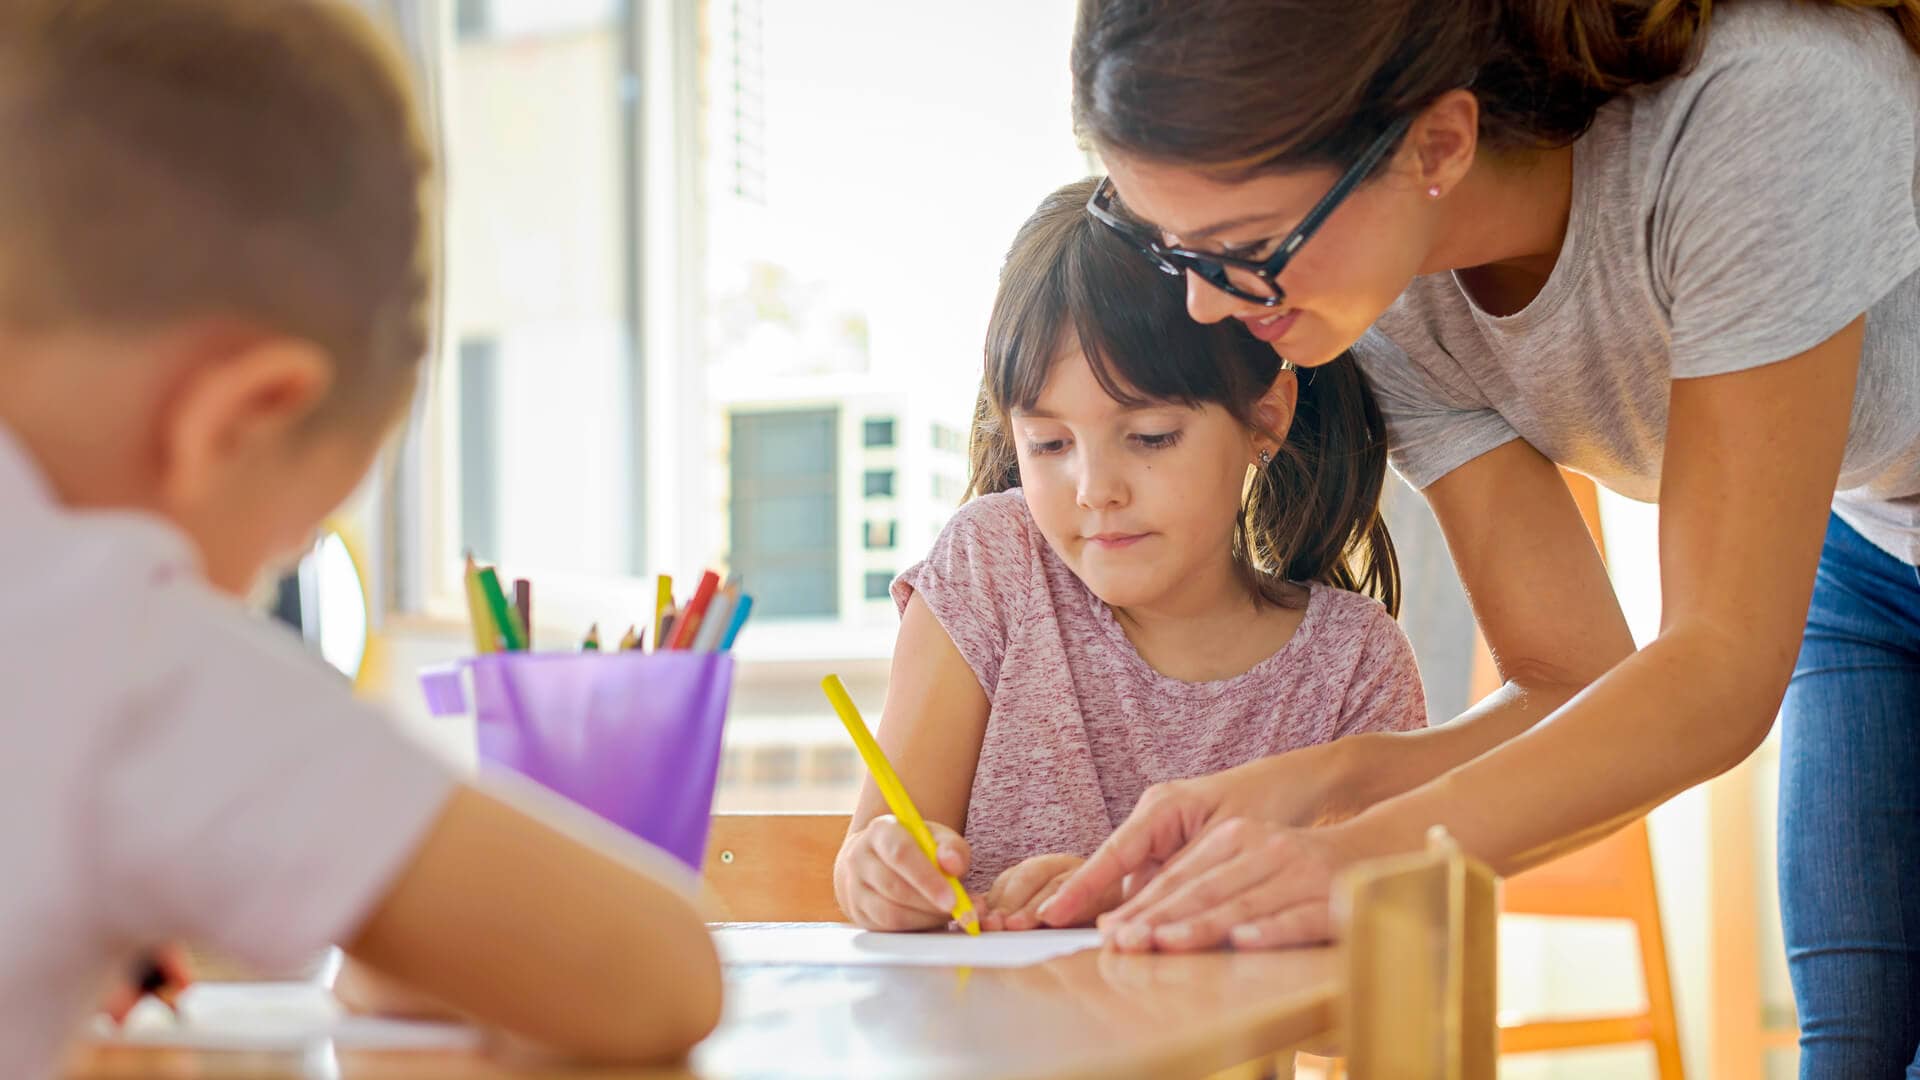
1080,725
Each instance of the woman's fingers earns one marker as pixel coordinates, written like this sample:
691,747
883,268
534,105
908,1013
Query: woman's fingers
1221,844
1166,818
1244,877
1307,923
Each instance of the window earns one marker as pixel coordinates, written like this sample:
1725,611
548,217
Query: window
785,511
947,489
691,247
470,18
948,439
479,436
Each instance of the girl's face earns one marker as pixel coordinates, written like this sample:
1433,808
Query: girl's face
1337,283
1139,501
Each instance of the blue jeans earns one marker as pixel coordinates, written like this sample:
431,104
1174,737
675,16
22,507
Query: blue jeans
1850,817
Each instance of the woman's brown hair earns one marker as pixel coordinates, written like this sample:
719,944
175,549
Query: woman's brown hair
1312,514
1244,86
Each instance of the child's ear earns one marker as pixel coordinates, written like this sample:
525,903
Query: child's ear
1273,413
233,406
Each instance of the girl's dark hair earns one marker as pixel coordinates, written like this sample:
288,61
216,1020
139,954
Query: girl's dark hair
1244,86
1313,514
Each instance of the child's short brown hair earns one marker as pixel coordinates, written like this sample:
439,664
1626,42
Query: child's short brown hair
259,161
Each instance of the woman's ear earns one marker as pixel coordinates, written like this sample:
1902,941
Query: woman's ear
235,405
1273,412
1444,140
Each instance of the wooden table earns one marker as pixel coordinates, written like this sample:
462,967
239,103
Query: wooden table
1089,1014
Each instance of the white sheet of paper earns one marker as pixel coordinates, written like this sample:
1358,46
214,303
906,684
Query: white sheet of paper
275,1017
829,944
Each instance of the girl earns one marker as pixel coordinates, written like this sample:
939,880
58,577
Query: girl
1122,603
1671,245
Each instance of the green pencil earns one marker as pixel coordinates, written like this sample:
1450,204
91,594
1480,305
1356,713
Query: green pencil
510,634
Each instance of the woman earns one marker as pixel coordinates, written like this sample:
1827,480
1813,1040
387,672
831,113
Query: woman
1678,257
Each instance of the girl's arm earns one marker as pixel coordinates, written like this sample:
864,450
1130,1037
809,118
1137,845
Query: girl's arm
931,728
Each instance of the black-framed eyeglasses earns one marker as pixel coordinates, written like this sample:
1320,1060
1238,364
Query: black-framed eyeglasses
1219,270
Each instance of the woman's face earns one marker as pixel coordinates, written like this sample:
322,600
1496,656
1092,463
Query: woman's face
1337,283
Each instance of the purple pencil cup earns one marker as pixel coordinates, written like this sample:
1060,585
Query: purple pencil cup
633,737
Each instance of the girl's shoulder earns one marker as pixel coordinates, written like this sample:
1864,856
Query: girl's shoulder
1351,622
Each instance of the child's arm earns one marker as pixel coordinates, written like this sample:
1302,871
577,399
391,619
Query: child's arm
931,729
554,935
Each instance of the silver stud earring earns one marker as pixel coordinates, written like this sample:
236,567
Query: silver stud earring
1266,458
1286,365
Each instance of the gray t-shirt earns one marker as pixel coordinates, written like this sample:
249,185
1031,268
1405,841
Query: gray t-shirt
1733,216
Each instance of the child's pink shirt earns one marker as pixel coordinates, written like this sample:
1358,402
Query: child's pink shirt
1080,726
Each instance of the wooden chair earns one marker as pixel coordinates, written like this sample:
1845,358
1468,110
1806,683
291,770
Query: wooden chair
772,867
1612,879
1421,934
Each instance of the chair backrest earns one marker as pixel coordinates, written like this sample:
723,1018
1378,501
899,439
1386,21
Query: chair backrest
772,867
1609,879
1421,933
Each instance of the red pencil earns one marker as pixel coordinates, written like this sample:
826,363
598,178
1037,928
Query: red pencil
689,622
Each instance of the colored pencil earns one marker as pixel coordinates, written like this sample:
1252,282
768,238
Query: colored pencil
689,623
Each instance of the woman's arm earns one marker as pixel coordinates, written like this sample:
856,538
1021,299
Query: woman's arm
1548,611
1752,459
1542,599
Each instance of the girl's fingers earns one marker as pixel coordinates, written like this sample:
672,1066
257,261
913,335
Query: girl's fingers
1020,883
898,851
1028,915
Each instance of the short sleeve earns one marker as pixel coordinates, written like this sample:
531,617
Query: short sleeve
1431,429
1784,206
978,578
1385,694
251,802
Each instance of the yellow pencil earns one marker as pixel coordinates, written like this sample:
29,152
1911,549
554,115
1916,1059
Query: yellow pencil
662,603
895,793
485,638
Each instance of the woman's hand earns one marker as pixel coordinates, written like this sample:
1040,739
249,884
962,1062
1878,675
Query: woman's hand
1244,883
884,881
1290,789
1014,901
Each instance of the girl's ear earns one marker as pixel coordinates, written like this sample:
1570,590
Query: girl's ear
1273,413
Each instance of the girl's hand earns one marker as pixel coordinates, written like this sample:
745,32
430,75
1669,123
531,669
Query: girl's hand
884,882
169,963
1014,901
1248,884
1296,788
